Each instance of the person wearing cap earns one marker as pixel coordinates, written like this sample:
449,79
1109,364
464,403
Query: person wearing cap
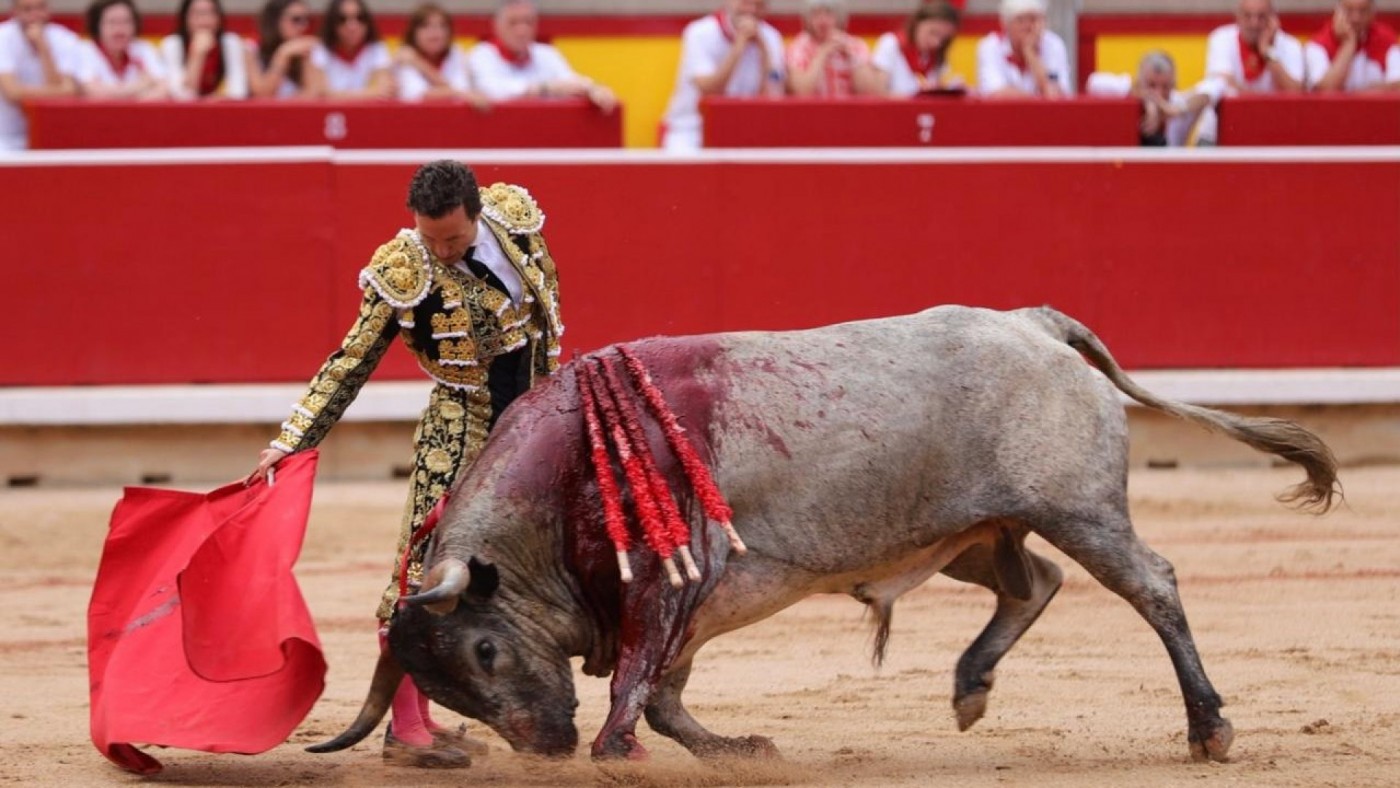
824,60
1024,58
1353,51
1254,55
729,53
915,59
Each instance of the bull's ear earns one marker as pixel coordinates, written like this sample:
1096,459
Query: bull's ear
484,580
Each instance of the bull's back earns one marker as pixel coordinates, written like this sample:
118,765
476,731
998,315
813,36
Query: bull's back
843,447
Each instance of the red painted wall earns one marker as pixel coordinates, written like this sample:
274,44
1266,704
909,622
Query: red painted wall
216,273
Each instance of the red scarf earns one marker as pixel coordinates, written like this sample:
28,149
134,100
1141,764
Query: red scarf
924,67
1375,43
725,26
1254,64
436,61
211,74
120,63
1016,59
517,59
352,55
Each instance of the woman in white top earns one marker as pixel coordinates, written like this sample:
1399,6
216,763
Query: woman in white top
202,59
116,63
356,62
285,67
431,66
1024,59
916,59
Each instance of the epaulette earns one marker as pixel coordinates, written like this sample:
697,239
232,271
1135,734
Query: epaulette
399,271
513,208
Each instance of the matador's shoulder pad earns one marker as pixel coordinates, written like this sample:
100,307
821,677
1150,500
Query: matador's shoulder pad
512,207
399,271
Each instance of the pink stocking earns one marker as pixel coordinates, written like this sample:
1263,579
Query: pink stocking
409,710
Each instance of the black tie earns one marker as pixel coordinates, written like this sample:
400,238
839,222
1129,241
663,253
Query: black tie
482,272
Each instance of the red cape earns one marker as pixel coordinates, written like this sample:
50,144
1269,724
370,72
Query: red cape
198,636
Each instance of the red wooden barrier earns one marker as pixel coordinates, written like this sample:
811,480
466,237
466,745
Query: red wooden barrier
1357,119
167,273
570,123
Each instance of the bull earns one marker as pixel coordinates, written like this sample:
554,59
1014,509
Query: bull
859,459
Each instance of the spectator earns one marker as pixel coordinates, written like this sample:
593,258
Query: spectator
512,64
430,63
1168,115
731,53
916,59
1353,51
286,61
116,63
357,63
825,60
202,58
1024,59
1254,55
37,59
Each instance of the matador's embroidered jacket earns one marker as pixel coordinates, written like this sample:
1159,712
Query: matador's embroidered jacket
456,326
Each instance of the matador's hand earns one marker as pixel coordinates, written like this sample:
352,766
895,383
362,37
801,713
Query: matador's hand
267,460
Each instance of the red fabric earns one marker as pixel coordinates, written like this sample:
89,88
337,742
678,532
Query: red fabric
211,73
517,59
198,636
1375,43
725,26
429,523
349,55
924,68
1253,63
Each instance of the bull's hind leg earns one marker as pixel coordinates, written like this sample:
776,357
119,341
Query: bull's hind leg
1014,615
667,715
1114,555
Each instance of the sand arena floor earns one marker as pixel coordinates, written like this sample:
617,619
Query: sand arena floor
1297,619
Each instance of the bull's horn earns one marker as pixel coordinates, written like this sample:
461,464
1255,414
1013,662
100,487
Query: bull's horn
443,587
387,675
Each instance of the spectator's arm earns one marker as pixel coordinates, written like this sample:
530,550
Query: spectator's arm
57,82
1283,76
991,76
805,78
713,83
866,80
1335,77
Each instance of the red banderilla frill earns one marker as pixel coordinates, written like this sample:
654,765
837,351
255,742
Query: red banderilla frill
613,516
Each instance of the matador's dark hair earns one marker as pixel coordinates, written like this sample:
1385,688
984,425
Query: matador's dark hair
438,187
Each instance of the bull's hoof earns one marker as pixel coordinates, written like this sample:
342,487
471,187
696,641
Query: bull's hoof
970,708
623,747
1214,746
739,747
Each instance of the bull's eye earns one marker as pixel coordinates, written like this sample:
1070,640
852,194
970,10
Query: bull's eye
486,654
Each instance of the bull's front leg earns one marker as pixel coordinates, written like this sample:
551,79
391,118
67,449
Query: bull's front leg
667,715
634,682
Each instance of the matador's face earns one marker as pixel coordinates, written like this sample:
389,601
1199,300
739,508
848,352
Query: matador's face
447,236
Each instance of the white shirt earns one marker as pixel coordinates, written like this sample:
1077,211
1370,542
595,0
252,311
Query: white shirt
235,52
142,61
889,58
1178,128
17,57
500,79
995,71
703,47
488,252
346,76
1364,72
1223,58
413,85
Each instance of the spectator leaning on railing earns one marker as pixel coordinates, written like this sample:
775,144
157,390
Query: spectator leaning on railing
824,60
1024,58
915,59
202,59
512,64
1168,115
430,63
287,66
357,63
729,53
1353,51
1254,55
116,63
37,58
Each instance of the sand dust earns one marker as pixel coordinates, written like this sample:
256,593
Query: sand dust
1297,619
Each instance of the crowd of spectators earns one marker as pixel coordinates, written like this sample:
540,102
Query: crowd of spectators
733,52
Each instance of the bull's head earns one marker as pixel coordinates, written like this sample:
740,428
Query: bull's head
465,651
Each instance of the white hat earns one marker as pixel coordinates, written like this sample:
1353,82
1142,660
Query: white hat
1014,8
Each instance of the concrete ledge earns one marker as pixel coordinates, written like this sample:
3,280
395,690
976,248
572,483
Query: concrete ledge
404,401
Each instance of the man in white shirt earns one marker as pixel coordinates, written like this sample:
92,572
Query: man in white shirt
514,65
1024,59
37,59
1254,55
730,53
1353,51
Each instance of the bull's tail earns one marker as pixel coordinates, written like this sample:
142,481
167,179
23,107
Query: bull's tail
1279,437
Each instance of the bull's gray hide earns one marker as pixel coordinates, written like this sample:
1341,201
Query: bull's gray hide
859,459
